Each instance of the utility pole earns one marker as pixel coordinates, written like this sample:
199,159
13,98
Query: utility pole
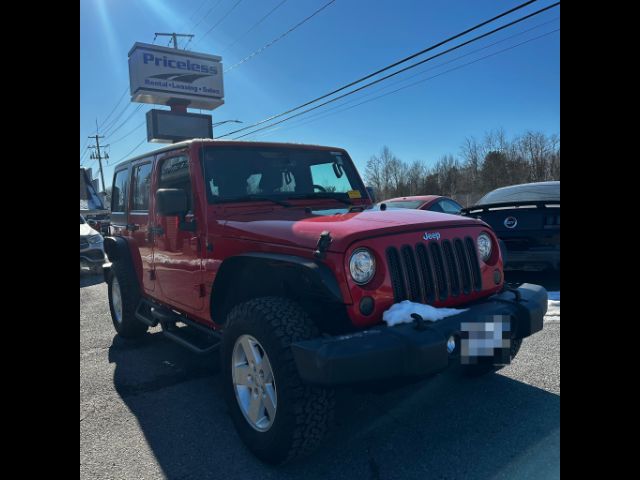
99,156
174,36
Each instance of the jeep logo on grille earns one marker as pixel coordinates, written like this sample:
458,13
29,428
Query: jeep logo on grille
510,222
431,236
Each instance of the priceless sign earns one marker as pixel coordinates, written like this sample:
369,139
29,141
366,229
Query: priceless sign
162,75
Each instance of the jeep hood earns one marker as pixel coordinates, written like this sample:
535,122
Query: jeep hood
295,227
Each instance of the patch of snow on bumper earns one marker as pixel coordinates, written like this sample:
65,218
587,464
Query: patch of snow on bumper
553,309
401,312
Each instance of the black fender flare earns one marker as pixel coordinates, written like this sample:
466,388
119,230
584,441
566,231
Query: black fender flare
303,277
118,249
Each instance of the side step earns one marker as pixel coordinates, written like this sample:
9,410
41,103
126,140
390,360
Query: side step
196,337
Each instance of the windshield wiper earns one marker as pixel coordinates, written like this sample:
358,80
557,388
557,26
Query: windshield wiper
321,195
246,198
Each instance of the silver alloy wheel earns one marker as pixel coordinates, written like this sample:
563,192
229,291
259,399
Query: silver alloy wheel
254,383
116,299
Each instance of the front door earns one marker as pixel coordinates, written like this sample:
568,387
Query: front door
177,252
138,224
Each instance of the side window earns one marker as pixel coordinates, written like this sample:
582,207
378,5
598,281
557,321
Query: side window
451,207
141,187
436,208
174,173
119,192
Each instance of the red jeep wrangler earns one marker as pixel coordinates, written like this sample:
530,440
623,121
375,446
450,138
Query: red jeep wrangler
271,254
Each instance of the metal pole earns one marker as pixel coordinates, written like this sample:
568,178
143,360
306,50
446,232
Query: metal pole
97,139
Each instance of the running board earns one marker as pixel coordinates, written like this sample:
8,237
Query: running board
185,342
152,314
143,313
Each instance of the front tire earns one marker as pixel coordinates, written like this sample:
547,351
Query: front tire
276,415
124,295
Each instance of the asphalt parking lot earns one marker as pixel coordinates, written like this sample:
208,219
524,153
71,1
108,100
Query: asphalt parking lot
151,409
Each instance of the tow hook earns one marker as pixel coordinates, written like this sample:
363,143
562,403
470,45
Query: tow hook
513,290
419,323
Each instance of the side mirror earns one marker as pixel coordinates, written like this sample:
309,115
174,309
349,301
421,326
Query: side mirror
171,202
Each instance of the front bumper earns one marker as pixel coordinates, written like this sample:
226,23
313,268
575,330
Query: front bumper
405,351
92,256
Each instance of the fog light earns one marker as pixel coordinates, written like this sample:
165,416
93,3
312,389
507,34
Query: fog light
366,305
451,344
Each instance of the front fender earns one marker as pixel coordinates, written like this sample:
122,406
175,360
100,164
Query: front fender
120,249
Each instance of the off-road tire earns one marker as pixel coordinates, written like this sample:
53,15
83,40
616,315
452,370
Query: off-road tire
304,412
129,326
482,369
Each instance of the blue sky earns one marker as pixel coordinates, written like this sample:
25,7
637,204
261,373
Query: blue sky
518,89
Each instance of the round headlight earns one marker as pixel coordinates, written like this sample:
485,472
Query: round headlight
484,246
362,266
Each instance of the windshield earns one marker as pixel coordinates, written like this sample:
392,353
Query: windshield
82,220
405,204
528,192
246,173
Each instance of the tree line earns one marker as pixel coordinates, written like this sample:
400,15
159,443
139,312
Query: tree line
481,166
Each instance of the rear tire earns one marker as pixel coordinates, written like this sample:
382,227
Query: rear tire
124,296
303,413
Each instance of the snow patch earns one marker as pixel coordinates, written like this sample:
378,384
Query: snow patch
401,312
553,307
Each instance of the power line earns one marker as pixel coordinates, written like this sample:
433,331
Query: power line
184,25
422,72
221,20
124,94
198,9
112,123
130,132
133,150
264,17
124,122
104,122
388,67
264,47
458,67
205,15
397,72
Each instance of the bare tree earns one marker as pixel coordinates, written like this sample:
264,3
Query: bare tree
495,162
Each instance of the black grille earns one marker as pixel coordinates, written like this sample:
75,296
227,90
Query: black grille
426,272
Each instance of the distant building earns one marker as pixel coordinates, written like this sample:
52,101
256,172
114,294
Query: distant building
90,200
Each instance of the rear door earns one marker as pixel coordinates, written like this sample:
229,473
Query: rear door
177,252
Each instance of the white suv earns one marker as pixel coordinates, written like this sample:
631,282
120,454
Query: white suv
91,247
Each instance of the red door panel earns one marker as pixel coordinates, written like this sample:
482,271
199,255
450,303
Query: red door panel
177,253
